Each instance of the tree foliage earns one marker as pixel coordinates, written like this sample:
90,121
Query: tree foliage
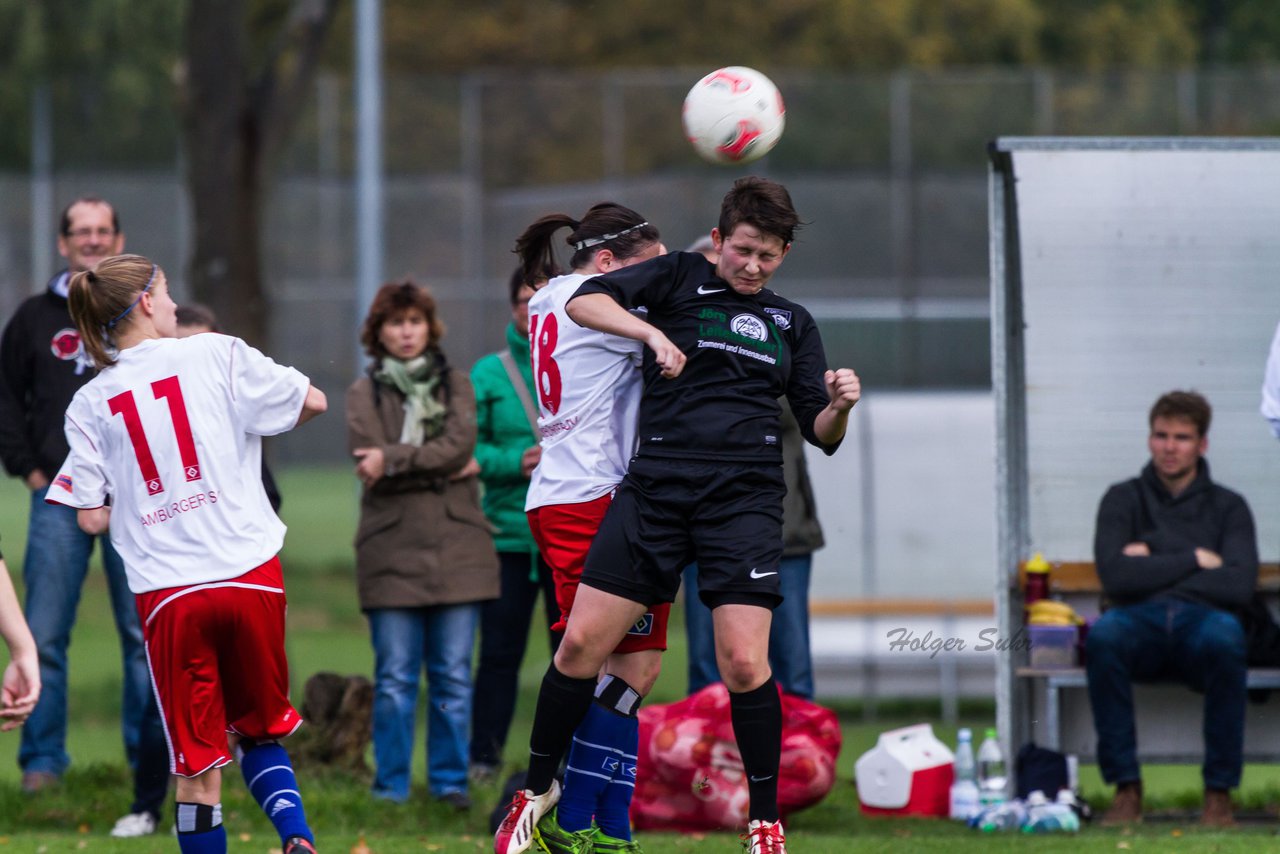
111,65
450,35
92,57
127,78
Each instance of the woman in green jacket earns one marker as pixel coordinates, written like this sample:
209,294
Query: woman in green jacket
507,451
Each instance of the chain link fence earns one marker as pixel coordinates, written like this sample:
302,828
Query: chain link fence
888,170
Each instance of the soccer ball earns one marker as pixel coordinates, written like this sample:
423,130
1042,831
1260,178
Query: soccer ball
733,115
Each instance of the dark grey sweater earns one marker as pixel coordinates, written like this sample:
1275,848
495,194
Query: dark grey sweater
1205,515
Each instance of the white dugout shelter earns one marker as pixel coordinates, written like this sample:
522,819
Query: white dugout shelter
1122,268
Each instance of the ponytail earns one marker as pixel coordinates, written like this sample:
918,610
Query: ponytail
102,299
537,257
83,299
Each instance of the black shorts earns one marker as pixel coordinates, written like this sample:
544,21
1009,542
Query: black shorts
667,513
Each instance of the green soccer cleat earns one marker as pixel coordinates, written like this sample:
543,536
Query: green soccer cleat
605,844
550,837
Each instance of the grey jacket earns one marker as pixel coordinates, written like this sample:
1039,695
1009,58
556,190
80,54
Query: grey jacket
801,533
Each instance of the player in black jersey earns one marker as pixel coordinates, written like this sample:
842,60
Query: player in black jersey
706,482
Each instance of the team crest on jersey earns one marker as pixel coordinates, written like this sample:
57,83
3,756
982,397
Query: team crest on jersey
780,316
63,480
643,626
750,326
65,344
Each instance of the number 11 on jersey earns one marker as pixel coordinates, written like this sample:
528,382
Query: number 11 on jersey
126,407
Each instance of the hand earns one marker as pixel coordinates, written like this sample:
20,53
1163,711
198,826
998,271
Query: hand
529,460
95,521
1137,550
1208,559
471,469
844,388
668,356
371,465
36,480
19,691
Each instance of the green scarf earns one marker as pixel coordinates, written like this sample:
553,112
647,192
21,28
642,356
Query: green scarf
417,379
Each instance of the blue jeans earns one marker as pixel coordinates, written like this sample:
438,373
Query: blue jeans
442,636
788,636
54,570
504,632
1200,646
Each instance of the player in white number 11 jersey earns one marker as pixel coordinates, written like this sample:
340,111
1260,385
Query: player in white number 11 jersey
168,434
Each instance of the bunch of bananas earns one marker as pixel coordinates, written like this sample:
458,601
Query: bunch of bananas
1049,612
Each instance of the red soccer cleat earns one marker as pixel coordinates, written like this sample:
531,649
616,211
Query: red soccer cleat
515,834
764,837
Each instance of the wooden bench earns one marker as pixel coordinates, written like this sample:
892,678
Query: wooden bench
889,607
1168,724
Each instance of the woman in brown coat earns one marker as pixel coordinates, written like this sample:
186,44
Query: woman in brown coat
424,554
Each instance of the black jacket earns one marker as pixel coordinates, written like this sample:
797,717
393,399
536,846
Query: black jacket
42,365
1205,515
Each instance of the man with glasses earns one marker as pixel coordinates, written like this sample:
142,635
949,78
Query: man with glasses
42,365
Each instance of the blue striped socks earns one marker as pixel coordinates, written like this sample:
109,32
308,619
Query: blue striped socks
613,814
269,776
600,777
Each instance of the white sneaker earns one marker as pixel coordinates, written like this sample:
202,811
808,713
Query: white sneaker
135,824
764,837
515,834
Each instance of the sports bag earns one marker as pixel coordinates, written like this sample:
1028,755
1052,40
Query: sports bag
690,776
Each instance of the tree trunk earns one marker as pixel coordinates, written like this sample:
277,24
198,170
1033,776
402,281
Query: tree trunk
223,166
236,113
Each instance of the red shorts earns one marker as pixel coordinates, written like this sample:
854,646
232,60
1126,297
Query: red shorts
564,533
216,652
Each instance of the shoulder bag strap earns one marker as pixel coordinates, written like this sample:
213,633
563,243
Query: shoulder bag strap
522,391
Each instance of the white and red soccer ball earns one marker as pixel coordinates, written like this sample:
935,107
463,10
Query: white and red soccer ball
733,115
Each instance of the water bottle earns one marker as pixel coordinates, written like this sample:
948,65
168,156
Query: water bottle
991,771
1045,816
1006,815
1067,799
965,802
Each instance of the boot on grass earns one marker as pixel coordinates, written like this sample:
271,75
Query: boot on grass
1126,808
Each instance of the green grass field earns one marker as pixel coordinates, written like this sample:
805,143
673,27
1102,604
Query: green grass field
327,632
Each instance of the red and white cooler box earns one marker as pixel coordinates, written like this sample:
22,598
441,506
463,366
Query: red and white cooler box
908,772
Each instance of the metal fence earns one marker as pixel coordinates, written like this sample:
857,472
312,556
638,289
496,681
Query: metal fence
888,170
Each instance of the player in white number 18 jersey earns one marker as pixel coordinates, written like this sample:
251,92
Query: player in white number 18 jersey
168,434
588,386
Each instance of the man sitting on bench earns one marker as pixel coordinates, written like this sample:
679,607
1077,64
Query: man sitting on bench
1177,557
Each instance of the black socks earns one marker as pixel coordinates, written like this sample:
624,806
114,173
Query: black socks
757,725
562,704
